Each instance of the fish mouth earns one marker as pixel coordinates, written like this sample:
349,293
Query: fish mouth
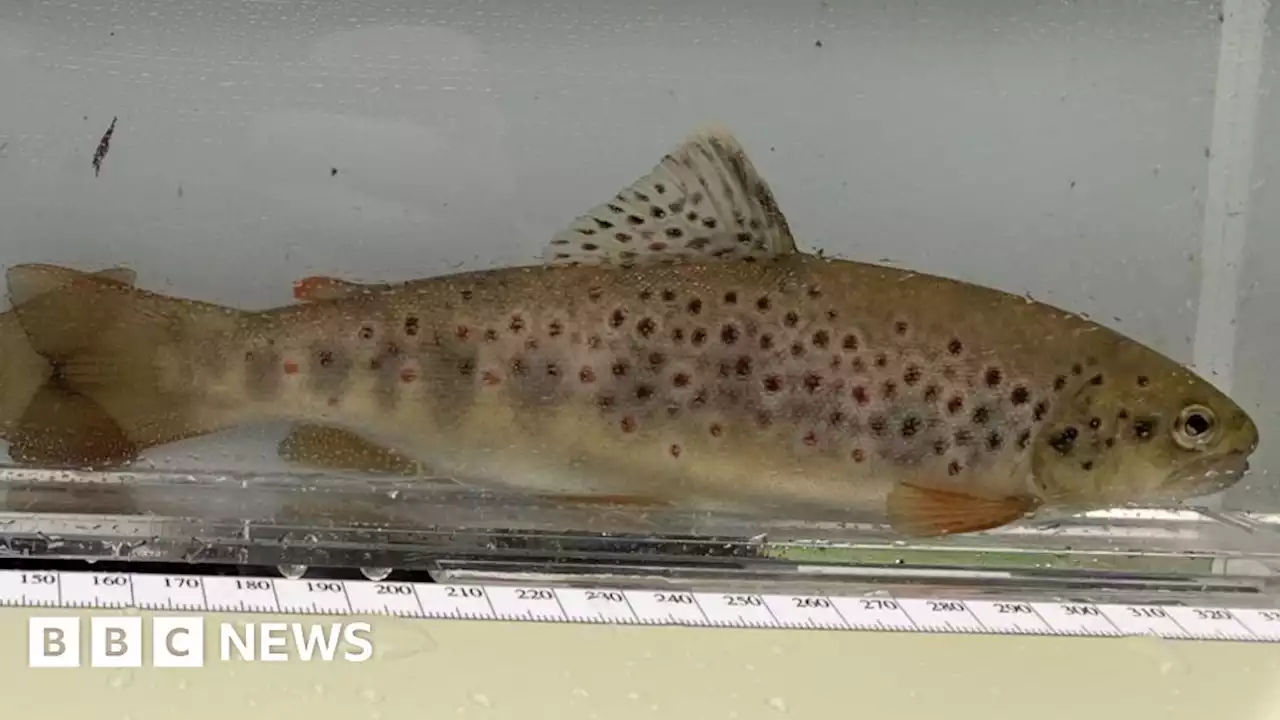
1210,475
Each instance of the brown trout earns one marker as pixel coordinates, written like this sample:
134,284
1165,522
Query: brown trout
677,349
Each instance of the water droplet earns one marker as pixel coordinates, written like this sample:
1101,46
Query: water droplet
293,572
778,704
370,696
481,700
375,574
633,696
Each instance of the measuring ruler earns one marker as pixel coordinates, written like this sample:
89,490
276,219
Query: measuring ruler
617,606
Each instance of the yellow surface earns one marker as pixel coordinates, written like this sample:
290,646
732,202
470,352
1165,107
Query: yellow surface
454,669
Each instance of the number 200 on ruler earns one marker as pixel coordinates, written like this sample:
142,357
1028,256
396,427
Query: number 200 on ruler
619,606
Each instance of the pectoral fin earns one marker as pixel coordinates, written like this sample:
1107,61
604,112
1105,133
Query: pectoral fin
924,512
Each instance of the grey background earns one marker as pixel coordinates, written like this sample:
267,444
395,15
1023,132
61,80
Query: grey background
1051,148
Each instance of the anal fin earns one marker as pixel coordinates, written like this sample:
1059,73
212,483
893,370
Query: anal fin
925,512
320,446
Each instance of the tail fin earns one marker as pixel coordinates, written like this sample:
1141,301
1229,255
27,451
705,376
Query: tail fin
105,340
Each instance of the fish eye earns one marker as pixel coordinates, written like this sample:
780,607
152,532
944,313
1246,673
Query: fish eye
1195,427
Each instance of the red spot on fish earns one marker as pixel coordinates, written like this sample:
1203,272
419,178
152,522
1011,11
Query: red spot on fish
463,332
657,246
675,451
408,375
628,424
587,375
490,378
859,455
309,287
290,368
811,438
333,402
716,431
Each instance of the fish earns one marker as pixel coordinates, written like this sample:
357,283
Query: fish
676,348
45,423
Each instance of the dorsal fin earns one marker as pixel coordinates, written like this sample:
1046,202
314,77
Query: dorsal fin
704,200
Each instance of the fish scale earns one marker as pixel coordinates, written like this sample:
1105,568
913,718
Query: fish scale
736,373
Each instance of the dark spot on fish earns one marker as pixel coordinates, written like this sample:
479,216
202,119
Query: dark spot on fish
910,426
699,336
791,319
677,335
593,342
797,349
744,238
699,399
860,395
516,326
594,293
1123,414
955,346
836,418
814,290
729,334
1086,465
939,447
1143,381
1077,369
763,303
912,375
491,335
889,389
1038,412
656,359
635,219
766,341
695,306
646,327
1095,380
850,342
716,430
955,404
900,327
620,369
931,393
1059,382
366,332
953,468
882,360
981,415
466,367
325,358
668,295
821,339
1020,396
812,381
680,379
1064,441
1095,423
674,233
994,441
555,328
878,425
858,364
730,298
643,392
963,438
993,377
1110,442
1144,428
618,317
1024,439
590,247
772,383
743,366
411,325
604,402
518,367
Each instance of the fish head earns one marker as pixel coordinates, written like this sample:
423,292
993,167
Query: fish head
1139,429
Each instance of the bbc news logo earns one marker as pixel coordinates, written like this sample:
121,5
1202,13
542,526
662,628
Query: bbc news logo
180,641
